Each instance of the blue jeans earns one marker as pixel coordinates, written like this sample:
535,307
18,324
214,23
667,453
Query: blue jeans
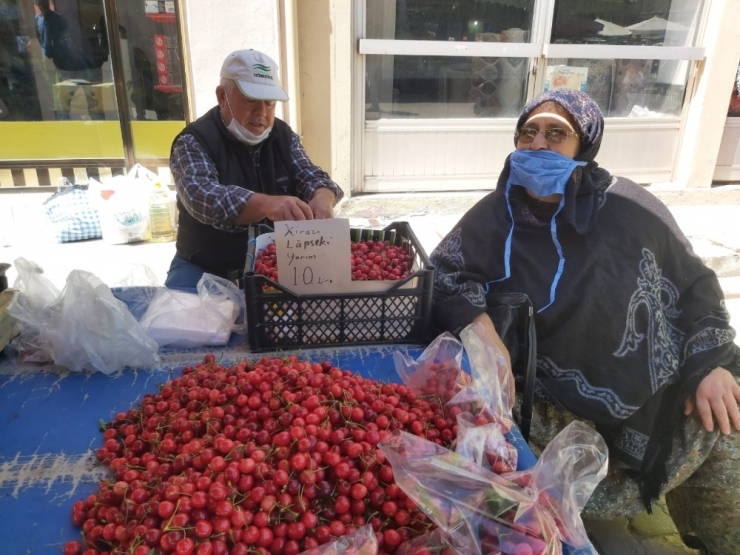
183,274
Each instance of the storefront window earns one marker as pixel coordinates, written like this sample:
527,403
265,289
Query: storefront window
633,22
54,62
444,87
462,20
57,88
624,88
55,67
151,66
413,85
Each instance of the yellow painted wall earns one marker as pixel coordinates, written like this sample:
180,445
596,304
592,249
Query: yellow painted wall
153,139
42,140
60,139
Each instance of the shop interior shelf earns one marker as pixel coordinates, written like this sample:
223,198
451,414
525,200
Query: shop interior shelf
162,17
169,88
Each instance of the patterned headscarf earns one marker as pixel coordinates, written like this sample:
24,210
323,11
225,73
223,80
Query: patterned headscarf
584,112
585,191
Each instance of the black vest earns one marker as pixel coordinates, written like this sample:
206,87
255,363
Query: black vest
266,169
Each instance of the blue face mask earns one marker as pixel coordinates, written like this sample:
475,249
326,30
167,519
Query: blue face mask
543,172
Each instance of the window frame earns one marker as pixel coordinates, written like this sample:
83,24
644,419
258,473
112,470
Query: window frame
539,50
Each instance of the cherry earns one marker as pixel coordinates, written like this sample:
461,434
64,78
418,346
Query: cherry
267,457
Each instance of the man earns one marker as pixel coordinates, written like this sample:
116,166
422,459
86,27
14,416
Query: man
74,61
236,165
57,42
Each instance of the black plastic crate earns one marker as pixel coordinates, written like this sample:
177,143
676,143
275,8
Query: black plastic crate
279,319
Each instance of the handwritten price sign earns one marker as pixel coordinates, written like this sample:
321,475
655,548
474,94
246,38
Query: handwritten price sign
313,256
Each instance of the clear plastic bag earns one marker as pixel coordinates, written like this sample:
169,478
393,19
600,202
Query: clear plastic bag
482,440
32,305
479,511
483,406
437,371
82,328
181,319
137,289
360,542
558,485
435,542
568,471
490,387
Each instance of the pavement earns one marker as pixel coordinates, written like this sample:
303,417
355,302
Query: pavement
710,218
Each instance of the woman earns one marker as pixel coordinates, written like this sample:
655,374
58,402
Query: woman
633,335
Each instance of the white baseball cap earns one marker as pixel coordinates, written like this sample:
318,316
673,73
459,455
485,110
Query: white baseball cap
255,74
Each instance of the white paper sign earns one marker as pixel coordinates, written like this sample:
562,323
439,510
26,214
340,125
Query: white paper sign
313,256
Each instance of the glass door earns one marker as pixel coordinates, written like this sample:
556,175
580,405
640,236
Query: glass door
443,83
152,75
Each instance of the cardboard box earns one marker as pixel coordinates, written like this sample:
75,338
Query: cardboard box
64,92
105,96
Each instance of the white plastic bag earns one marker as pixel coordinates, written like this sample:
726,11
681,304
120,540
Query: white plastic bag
181,319
31,306
82,328
123,205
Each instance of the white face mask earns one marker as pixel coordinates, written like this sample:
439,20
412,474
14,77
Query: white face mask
242,133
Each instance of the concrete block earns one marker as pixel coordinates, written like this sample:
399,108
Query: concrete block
657,524
671,545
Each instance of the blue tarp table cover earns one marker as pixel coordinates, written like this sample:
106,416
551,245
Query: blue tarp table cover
50,427
50,417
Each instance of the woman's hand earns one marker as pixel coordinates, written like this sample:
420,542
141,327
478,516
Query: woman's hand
718,394
492,338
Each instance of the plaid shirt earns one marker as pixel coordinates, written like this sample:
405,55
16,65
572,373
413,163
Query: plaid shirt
217,204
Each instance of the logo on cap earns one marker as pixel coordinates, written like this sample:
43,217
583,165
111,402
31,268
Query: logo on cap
265,71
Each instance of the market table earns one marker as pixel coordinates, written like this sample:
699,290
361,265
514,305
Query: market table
50,429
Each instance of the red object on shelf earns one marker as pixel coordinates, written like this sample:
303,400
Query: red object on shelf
169,88
160,54
162,17
167,60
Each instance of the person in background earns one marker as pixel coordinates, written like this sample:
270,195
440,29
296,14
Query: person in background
74,58
633,334
57,43
236,165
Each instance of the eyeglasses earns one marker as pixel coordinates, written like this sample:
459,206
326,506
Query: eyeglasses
554,135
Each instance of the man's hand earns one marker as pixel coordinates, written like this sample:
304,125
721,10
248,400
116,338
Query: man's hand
718,395
322,203
275,208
